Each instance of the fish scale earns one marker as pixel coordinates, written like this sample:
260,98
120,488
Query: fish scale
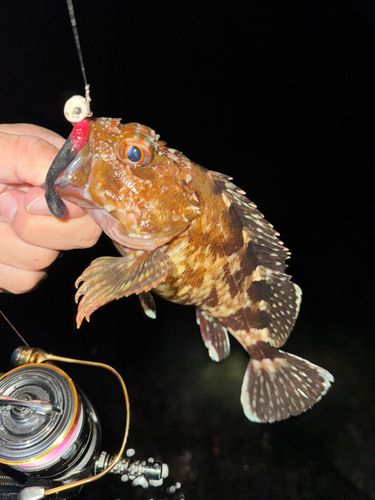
191,236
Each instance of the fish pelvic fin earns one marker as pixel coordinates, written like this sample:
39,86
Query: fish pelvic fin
277,384
148,304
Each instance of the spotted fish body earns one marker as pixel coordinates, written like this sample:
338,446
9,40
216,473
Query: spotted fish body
192,237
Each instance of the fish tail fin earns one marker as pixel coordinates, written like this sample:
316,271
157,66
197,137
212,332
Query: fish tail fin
277,384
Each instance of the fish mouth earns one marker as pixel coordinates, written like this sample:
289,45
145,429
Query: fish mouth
72,184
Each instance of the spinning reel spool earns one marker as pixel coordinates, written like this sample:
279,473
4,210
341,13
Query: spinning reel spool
50,434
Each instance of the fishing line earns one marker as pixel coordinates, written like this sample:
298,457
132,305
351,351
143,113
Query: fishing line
73,22
14,328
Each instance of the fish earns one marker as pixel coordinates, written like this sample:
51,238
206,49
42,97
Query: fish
192,237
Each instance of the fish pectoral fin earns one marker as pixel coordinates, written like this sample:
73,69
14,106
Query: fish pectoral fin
277,384
148,304
214,335
109,278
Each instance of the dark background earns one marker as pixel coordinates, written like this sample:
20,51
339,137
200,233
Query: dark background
280,95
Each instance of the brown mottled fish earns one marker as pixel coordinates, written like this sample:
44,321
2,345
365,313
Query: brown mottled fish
192,237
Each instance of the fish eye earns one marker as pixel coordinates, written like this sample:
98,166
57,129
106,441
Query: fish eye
134,154
135,149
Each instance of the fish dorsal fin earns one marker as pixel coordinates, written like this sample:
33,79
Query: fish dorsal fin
214,335
272,294
264,239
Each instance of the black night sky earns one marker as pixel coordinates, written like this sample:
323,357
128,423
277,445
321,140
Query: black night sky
279,95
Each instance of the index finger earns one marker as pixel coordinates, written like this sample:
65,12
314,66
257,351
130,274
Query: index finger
34,130
24,159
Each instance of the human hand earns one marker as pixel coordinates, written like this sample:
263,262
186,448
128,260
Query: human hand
30,237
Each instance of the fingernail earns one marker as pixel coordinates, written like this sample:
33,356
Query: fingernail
8,207
38,207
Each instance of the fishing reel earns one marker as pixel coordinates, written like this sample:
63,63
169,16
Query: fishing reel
50,434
